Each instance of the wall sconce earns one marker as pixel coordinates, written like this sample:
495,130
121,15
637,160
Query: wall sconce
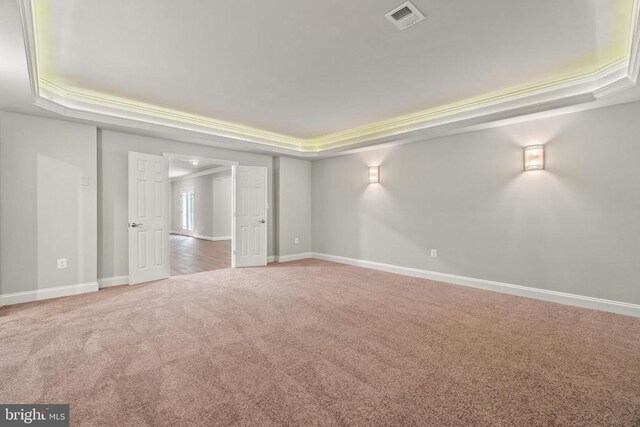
534,157
374,174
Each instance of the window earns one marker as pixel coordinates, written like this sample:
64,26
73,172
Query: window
187,201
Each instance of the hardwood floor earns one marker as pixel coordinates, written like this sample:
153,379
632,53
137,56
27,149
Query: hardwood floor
191,255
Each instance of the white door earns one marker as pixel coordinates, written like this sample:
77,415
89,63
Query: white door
250,217
187,211
148,218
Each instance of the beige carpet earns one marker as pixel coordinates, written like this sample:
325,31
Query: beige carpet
312,342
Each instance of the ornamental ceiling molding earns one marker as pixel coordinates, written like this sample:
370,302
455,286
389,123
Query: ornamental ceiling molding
571,89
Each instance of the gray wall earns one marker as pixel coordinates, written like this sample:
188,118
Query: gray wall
574,227
213,204
293,199
222,209
48,198
112,202
203,215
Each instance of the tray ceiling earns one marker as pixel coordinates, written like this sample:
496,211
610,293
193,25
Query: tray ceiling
312,76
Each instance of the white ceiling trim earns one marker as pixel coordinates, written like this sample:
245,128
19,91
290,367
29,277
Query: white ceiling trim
108,110
634,55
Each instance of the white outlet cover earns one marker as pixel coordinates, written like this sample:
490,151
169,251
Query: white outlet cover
296,240
62,263
434,253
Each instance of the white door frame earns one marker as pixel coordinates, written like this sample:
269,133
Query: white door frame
199,158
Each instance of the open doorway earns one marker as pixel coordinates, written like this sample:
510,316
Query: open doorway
201,214
156,204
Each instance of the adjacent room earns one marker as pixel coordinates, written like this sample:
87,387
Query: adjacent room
383,213
201,215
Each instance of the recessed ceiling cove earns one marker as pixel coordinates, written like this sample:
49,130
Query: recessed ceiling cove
312,76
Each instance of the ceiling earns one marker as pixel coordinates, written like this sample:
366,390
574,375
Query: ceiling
180,167
311,68
315,76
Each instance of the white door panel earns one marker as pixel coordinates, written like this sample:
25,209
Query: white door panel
250,218
148,218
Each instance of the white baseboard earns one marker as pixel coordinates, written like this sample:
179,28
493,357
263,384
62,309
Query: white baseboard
213,239
46,293
293,257
106,282
271,258
523,291
200,236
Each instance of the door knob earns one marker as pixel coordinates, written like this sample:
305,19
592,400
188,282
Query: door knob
134,225
261,221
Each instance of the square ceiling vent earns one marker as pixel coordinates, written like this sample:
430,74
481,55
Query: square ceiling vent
405,15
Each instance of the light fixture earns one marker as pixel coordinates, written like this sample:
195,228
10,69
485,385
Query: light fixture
194,162
534,157
374,174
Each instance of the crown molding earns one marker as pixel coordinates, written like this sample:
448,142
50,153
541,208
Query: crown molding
28,35
110,110
634,55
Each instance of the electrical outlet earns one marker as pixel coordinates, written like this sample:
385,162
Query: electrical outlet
62,263
434,253
296,240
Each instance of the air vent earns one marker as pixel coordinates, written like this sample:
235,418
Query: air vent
405,11
405,15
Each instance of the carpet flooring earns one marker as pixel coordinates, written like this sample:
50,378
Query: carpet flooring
317,343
